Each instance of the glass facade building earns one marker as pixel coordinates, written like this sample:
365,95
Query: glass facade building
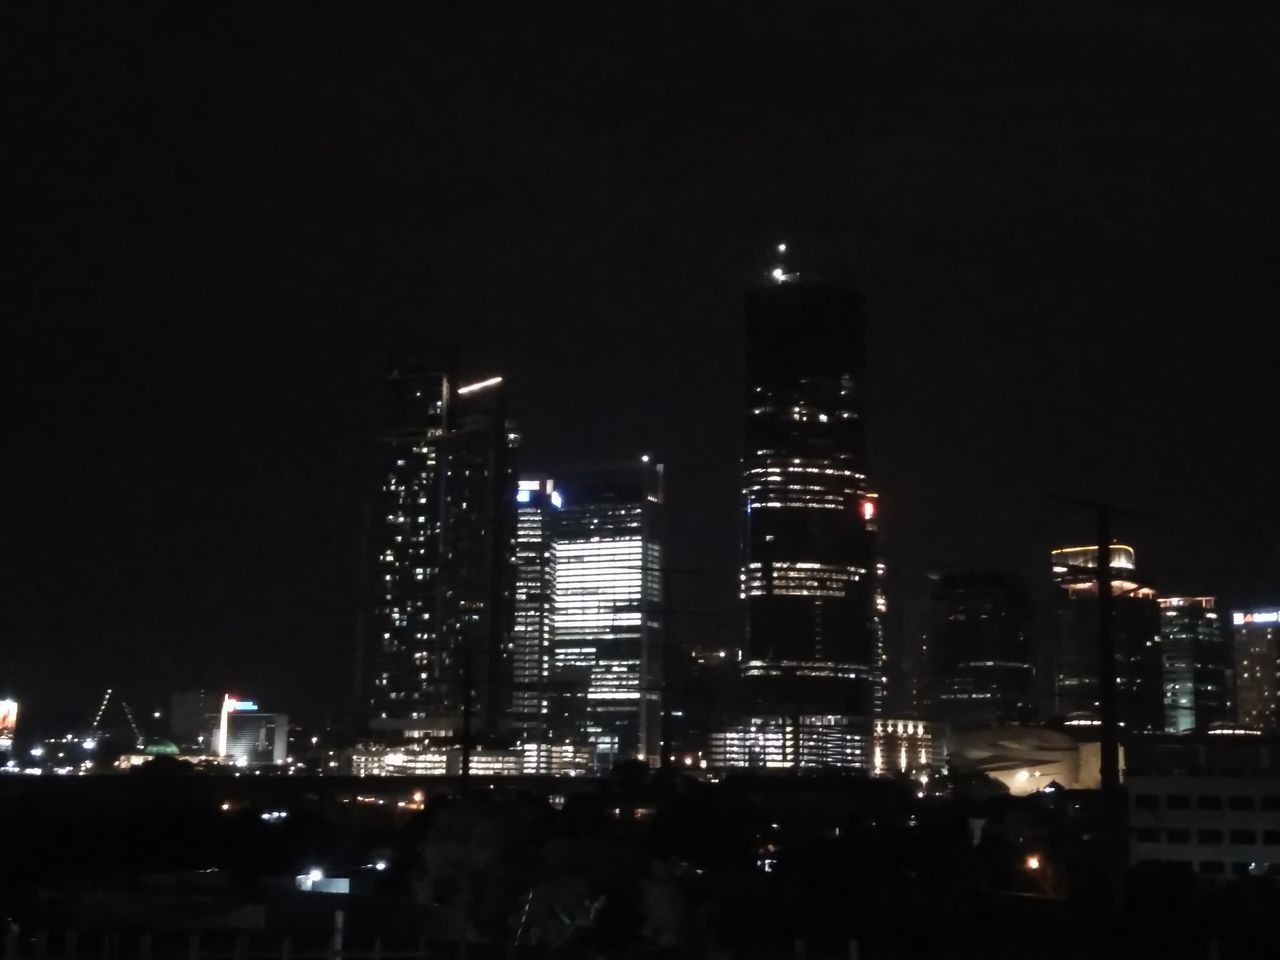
1256,648
1197,664
537,504
979,652
439,651
1135,632
605,671
810,577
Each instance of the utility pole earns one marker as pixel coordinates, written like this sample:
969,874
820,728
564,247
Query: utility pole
664,688
1110,745
468,709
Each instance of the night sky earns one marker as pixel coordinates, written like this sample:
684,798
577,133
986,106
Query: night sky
1064,219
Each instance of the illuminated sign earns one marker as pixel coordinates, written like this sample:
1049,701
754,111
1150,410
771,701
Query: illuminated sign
1258,616
527,485
8,720
524,496
556,499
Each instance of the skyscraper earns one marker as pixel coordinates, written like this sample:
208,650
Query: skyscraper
439,651
537,504
979,652
606,655
1197,664
1256,642
810,579
1135,631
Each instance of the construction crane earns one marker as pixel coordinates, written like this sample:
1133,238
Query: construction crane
132,723
102,709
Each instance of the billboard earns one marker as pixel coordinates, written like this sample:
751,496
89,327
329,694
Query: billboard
8,722
1258,616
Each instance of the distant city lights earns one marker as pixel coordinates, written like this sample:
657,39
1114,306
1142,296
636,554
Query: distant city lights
1259,616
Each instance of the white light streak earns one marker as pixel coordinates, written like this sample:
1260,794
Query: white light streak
481,385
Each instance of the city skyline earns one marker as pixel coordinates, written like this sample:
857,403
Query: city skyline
914,594
197,381
639,480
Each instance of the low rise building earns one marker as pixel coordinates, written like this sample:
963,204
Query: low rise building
1210,802
907,746
817,742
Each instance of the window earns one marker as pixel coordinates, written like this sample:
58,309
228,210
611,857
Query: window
1178,836
1240,803
1208,802
1244,836
1208,836
1271,838
1147,835
1146,801
1177,801
1213,867
1271,803
1240,869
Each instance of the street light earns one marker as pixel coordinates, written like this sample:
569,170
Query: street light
1033,862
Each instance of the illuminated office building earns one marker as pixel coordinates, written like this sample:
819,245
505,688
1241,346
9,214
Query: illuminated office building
979,652
606,654
1256,645
439,657
248,736
906,746
537,503
1197,664
1135,633
805,741
810,577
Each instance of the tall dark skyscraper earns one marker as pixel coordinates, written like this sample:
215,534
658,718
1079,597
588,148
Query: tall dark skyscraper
979,652
810,578
1196,651
1135,631
607,649
440,636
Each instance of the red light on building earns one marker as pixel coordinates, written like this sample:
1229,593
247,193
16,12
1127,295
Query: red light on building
868,509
